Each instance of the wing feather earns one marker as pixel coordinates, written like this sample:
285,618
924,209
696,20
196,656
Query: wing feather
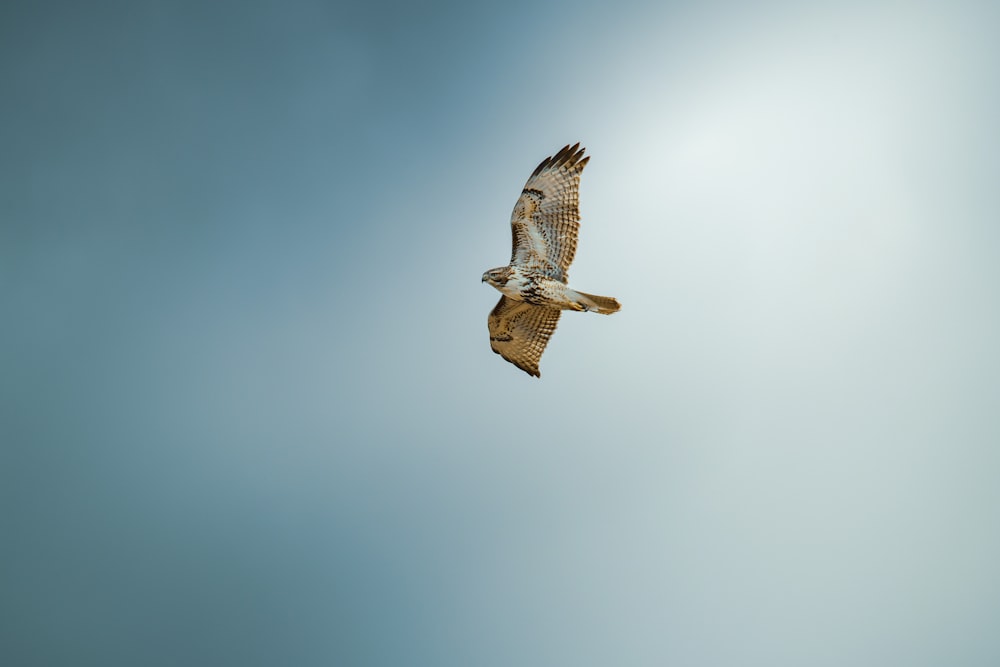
546,217
519,332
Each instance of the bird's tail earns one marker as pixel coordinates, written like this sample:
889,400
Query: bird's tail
605,305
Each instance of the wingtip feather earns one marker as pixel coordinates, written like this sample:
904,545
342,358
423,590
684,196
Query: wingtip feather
569,156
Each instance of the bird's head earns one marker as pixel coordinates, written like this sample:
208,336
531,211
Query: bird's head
497,277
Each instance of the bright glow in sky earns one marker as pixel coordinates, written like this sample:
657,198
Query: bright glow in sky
248,410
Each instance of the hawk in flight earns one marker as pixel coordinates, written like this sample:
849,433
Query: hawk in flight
544,225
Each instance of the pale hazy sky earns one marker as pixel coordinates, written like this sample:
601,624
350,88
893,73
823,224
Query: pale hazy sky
248,410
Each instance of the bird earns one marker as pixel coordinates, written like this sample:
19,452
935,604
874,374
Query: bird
544,228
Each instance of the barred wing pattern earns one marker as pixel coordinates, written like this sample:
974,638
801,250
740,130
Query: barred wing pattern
546,218
519,332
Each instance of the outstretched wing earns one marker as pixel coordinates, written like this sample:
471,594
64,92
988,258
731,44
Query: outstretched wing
519,332
546,218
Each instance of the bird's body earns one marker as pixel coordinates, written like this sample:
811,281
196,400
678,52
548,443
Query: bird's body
538,289
544,227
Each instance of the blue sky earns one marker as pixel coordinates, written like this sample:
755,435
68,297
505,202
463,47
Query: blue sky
249,411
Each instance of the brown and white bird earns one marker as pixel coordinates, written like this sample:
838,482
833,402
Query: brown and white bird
544,225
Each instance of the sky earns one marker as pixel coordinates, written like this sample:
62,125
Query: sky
248,410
